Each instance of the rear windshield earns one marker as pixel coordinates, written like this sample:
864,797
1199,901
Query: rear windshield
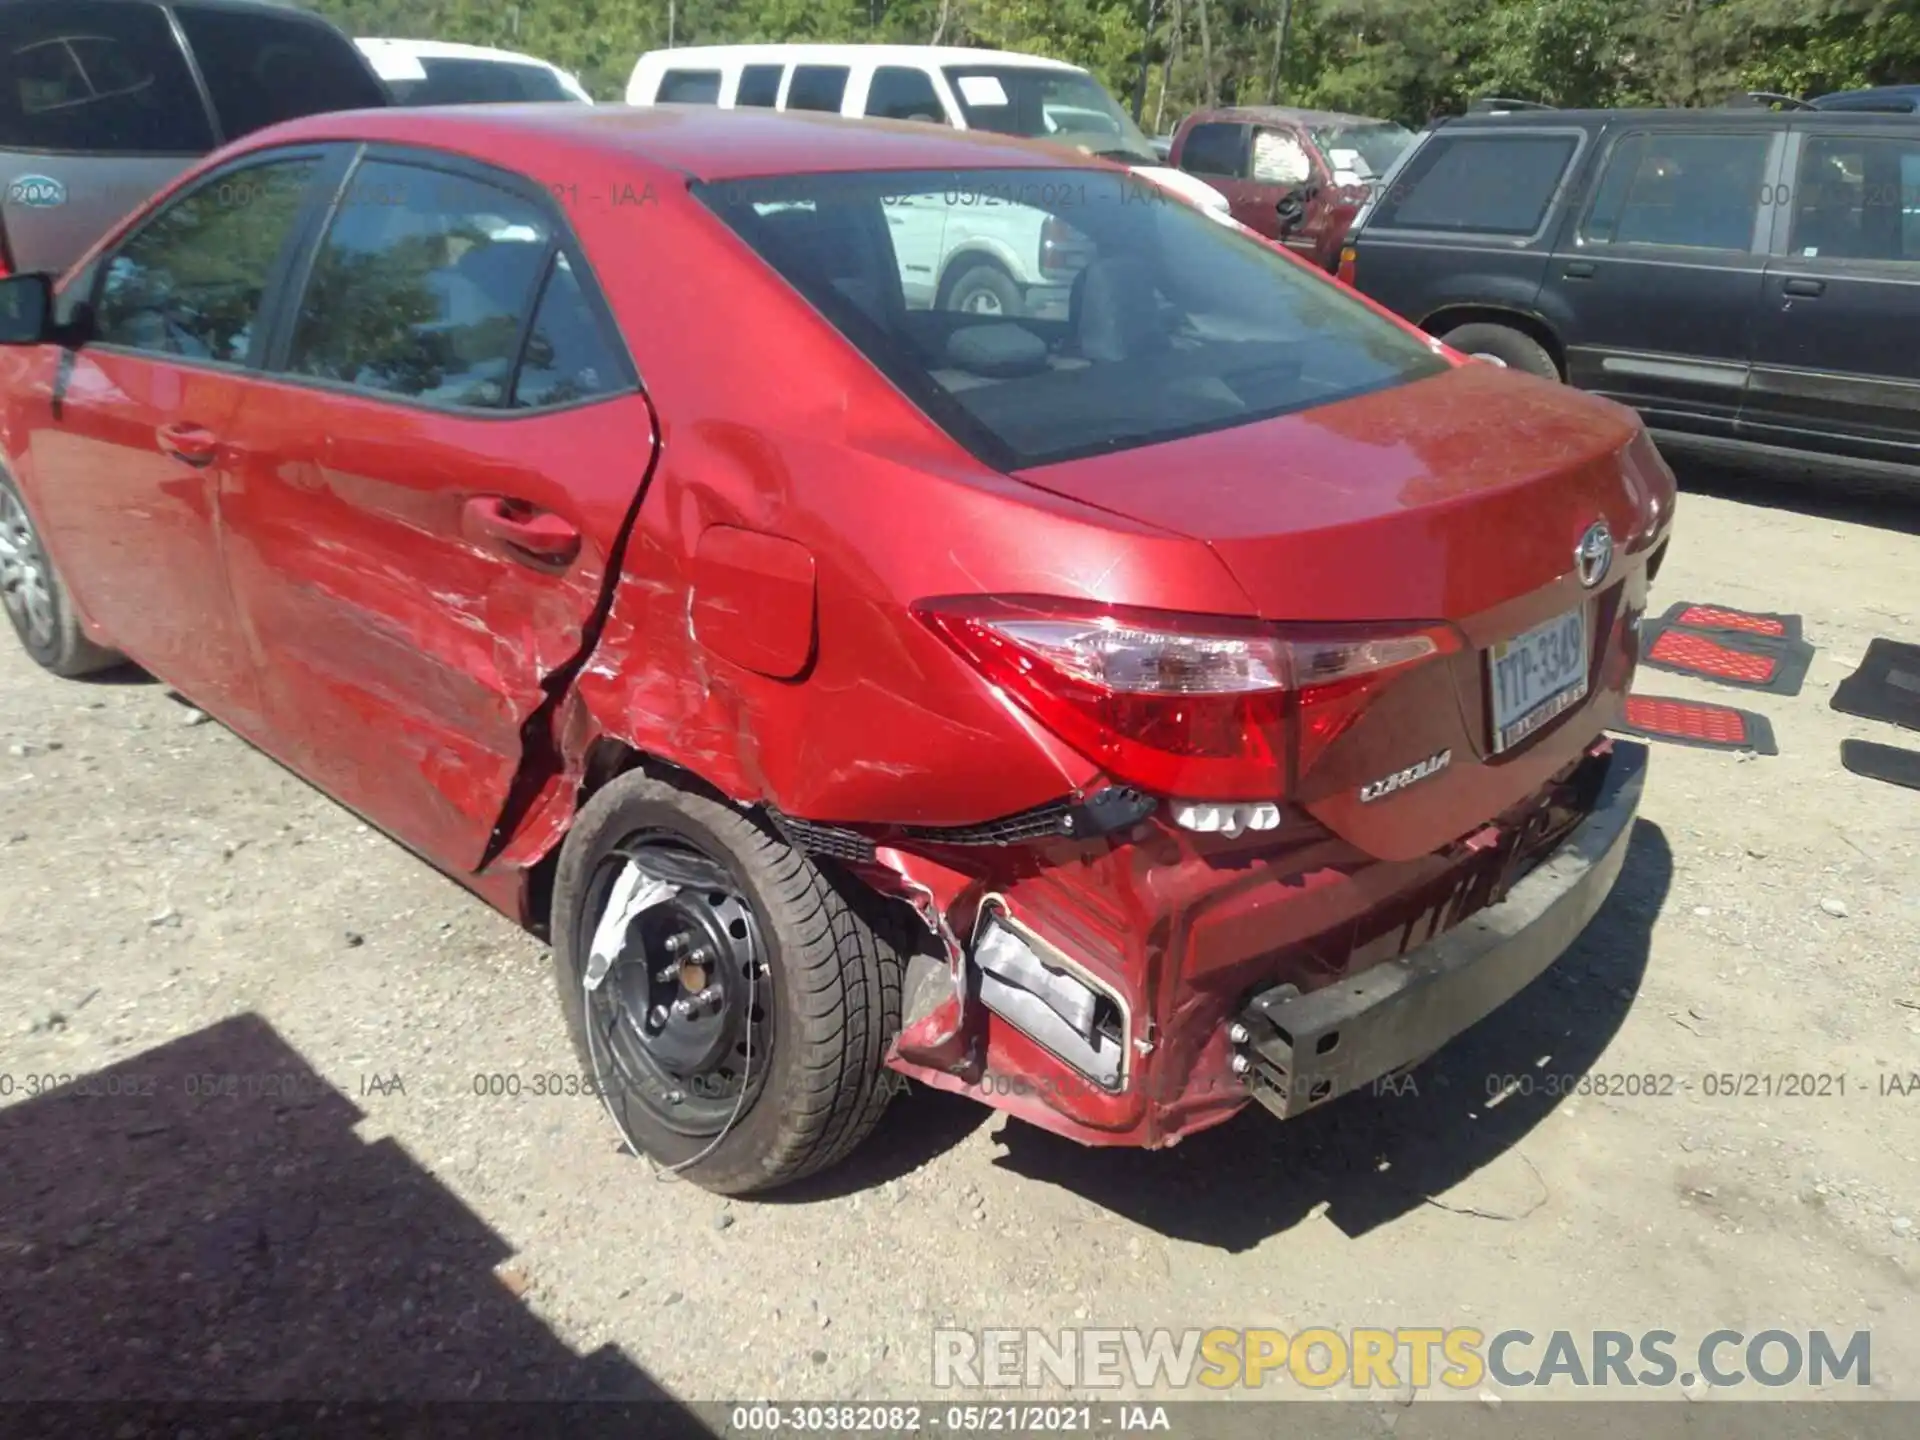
100,78
479,82
1044,315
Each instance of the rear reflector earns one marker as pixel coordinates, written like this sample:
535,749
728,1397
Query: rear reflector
1750,661
1691,722
1738,622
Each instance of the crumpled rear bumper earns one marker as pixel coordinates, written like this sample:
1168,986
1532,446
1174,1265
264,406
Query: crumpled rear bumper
1304,1050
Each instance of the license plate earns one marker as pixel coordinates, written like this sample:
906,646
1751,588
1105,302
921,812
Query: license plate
1536,676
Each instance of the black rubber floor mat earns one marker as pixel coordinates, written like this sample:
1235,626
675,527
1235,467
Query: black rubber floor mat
1751,662
1695,722
1885,687
1882,762
1698,615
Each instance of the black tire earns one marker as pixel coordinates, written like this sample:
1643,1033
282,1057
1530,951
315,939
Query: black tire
36,598
1510,347
833,975
980,287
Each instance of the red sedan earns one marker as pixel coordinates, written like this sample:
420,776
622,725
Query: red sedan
1185,688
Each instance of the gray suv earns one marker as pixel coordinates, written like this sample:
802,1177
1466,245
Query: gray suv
102,102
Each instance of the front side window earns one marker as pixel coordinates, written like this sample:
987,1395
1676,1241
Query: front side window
689,87
86,77
420,287
1691,190
1216,149
192,281
261,68
1280,159
1173,324
1857,198
1481,182
904,92
760,86
1043,103
818,87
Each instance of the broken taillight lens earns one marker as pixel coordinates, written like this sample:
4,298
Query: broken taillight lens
1201,707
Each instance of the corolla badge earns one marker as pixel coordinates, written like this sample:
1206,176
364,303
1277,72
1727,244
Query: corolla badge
1400,779
41,192
1594,554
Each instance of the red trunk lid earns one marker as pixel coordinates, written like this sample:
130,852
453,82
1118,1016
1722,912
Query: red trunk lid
1457,499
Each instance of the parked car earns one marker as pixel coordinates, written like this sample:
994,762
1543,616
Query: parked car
1886,99
104,101
986,259
994,90
435,72
1749,280
1297,176
1194,700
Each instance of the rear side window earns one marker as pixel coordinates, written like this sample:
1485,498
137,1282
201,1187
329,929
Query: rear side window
901,92
480,82
689,87
191,281
567,358
261,69
1858,198
1479,183
760,86
96,78
1168,323
817,87
1692,190
1215,149
420,287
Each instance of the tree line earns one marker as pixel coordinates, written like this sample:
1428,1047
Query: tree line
1400,59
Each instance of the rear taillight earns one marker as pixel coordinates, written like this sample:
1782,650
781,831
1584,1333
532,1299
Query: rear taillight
1063,250
1348,257
1196,707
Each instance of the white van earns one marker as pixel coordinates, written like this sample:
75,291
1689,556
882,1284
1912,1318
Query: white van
1004,262
435,72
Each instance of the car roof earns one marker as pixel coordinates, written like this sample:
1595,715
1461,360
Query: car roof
804,52
447,50
1910,91
702,142
1254,114
1714,118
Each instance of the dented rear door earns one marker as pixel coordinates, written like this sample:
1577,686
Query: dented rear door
429,491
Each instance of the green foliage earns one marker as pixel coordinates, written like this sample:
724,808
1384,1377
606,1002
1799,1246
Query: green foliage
1406,59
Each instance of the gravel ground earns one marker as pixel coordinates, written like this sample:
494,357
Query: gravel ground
357,1221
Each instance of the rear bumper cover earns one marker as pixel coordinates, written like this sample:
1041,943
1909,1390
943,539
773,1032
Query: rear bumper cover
1305,1050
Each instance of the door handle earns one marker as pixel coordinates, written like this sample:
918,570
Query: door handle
194,444
1802,286
1578,270
520,528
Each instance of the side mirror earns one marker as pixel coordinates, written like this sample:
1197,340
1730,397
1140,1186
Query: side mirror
26,310
1292,207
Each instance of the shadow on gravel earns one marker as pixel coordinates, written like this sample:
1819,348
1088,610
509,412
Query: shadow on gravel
1374,1157
1803,489
162,1244
919,1125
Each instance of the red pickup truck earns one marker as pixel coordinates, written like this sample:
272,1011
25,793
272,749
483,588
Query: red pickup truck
1297,176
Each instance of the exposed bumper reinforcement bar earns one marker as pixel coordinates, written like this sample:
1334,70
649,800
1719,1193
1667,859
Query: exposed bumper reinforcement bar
1308,1049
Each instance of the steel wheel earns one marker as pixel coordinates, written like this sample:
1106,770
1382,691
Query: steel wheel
681,1019
26,584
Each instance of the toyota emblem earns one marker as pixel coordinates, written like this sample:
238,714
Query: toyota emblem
1593,556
